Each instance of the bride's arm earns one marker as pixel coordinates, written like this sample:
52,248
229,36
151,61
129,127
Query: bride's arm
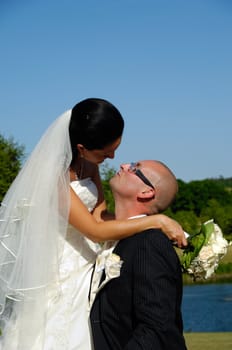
82,220
101,213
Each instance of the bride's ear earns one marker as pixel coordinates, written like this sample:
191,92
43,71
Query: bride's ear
80,149
146,194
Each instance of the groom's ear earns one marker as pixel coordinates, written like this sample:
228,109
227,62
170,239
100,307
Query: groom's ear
146,195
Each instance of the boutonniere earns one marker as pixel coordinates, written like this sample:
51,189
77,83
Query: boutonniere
113,265
109,262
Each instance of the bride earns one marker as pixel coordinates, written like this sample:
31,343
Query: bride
51,222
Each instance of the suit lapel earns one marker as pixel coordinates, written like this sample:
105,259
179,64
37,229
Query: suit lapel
107,267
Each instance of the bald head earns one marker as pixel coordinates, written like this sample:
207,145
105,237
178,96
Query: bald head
165,183
145,187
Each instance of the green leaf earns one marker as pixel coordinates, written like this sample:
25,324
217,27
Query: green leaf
195,243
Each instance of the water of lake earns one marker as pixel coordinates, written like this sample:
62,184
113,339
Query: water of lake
207,308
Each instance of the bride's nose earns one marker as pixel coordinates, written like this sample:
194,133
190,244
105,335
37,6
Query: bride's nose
110,155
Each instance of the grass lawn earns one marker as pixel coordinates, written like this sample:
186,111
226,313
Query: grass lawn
228,257
208,341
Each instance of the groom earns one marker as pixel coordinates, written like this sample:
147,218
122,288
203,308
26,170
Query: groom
138,305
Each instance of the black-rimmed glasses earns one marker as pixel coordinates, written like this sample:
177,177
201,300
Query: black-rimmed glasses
134,169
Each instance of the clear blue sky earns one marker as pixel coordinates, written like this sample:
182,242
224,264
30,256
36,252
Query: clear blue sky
166,64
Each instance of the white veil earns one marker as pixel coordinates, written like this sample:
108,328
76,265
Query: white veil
33,220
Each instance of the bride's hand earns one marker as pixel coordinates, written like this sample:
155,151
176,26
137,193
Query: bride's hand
173,230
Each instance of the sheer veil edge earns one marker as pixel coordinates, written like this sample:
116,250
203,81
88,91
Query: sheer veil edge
33,221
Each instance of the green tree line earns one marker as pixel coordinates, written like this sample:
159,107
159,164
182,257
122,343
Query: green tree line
11,157
196,202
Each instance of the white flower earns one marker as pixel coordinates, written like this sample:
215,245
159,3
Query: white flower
206,249
109,262
113,266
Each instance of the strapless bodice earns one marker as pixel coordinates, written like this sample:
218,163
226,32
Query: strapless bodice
86,191
67,325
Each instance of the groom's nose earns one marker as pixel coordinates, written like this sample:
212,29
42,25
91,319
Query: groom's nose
124,166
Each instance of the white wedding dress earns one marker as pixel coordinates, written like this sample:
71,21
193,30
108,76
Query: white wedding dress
34,298
67,326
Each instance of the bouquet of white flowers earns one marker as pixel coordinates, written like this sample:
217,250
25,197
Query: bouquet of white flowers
201,257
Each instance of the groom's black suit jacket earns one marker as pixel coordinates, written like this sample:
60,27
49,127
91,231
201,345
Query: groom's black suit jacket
141,309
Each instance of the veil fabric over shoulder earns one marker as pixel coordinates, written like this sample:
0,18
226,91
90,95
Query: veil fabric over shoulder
33,221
